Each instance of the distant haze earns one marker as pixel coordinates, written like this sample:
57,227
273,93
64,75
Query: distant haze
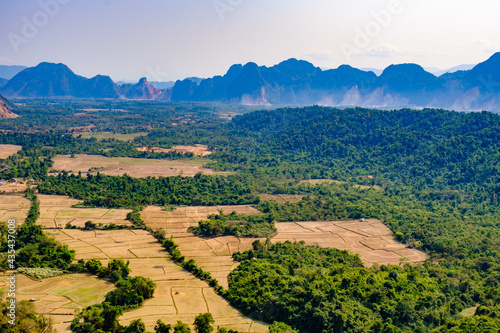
165,40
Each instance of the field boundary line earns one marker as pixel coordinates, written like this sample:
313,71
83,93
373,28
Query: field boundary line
204,298
173,299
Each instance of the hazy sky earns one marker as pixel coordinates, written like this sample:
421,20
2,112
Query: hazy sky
171,39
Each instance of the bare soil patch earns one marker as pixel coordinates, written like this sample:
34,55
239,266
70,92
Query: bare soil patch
134,167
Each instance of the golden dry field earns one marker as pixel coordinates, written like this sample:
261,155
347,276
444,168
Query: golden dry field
8,150
59,297
179,295
56,211
371,239
13,207
197,150
134,167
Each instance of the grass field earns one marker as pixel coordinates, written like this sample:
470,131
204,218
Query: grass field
13,207
8,150
134,167
56,211
111,135
59,297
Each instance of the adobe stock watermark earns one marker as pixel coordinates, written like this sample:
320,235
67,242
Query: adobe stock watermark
224,6
491,85
32,25
363,37
156,74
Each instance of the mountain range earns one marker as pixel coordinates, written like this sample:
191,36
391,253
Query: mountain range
291,82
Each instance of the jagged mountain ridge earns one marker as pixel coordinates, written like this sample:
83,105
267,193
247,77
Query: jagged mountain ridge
291,82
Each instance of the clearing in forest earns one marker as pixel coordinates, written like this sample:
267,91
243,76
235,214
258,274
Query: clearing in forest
56,211
111,135
8,150
197,150
313,182
281,198
134,167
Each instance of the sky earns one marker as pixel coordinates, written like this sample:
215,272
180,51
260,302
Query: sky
172,39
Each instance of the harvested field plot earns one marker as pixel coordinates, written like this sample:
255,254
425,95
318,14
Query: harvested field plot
111,135
374,242
8,150
371,239
13,188
178,220
319,181
134,167
213,255
59,297
56,211
13,207
197,150
179,295
281,198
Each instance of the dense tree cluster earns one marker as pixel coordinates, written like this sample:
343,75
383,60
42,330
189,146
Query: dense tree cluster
234,224
328,290
125,191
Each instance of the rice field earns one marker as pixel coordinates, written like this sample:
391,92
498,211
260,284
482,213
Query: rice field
56,211
8,150
13,207
59,297
179,295
371,239
134,167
